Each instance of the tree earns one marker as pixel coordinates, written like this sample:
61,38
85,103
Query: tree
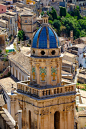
62,11
0,51
53,13
76,12
50,22
21,35
57,24
50,17
83,33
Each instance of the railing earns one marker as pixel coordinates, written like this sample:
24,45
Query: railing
41,93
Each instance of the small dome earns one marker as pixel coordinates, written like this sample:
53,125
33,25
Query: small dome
45,38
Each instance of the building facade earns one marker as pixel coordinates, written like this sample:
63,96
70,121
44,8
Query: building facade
9,21
46,101
27,23
2,8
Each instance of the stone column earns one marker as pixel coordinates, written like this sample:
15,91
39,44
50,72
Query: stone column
72,117
62,122
48,73
51,120
18,74
58,73
30,71
12,107
37,73
20,119
65,120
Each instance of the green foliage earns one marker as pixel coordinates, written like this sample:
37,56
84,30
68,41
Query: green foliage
5,59
83,33
77,7
67,22
21,35
71,24
82,23
7,51
57,24
53,13
62,11
50,17
29,41
18,42
76,13
10,37
5,55
50,22
0,51
42,13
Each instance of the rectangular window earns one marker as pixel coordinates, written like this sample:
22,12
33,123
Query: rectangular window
25,21
10,21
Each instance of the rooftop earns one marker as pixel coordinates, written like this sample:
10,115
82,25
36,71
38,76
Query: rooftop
8,118
62,39
11,13
82,75
45,38
79,45
82,38
6,84
21,61
25,50
69,54
4,21
26,13
66,73
67,62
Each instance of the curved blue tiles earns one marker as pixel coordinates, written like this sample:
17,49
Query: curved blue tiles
34,44
41,37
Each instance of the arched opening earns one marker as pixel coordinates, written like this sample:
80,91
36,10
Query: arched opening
57,120
29,119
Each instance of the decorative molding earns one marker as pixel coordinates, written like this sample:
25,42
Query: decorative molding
36,112
44,112
69,108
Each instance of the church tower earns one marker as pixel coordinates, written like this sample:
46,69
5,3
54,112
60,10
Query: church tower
46,101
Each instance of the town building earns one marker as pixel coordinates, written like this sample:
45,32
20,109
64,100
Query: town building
6,120
80,40
70,63
79,50
82,76
64,43
2,8
10,1
27,23
45,99
20,67
3,36
9,21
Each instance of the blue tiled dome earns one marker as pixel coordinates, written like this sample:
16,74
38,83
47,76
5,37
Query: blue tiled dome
45,38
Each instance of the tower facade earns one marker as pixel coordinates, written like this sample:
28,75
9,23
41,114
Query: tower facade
46,101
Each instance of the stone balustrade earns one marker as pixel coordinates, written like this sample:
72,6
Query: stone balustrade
42,93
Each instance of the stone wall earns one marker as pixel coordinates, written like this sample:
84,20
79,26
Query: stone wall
3,65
